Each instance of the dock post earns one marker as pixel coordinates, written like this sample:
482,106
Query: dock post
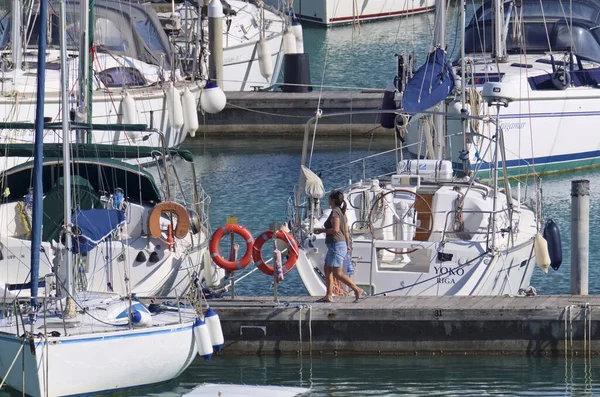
580,236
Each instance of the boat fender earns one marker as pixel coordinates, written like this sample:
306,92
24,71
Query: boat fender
552,236
190,112
140,318
542,259
213,247
561,79
175,110
289,42
278,265
202,339
212,99
265,62
388,102
214,329
292,252
298,34
129,115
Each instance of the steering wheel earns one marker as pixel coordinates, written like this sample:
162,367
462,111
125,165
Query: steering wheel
424,232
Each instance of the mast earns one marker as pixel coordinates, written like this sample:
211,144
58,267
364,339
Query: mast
463,87
439,38
16,34
86,59
499,47
68,283
37,210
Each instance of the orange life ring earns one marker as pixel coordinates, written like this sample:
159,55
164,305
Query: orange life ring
169,207
292,251
213,247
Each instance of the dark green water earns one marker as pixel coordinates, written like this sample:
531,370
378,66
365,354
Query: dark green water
399,376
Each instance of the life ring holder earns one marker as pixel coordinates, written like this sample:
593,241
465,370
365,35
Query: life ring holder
169,207
282,235
213,247
427,230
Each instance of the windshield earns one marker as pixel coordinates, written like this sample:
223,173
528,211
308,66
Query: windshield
540,30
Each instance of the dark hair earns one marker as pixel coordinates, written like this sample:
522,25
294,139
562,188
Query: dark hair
338,198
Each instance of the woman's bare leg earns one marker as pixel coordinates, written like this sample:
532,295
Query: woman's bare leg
343,277
329,283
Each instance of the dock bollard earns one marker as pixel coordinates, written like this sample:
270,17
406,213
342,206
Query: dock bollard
580,236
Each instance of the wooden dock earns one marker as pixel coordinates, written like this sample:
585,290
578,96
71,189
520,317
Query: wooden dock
284,114
537,325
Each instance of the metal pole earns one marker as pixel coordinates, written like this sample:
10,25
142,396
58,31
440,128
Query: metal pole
495,176
580,236
439,120
231,243
215,42
69,284
275,227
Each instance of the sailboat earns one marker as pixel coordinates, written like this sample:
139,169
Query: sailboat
145,262
89,343
421,228
548,53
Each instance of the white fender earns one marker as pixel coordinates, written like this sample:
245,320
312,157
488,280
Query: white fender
212,99
265,62
289,42
298,34
202,339
129,115
174,107
542,258
190,113
214,329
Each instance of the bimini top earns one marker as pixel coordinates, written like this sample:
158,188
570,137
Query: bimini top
542,29
121,27
103,176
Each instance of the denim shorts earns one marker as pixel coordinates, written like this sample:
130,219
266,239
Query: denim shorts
336,253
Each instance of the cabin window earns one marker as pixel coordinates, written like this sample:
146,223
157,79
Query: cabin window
108,36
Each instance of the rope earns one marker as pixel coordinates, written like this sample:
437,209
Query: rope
265,113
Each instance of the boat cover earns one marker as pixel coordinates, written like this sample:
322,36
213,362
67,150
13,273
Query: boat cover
430,85
94,226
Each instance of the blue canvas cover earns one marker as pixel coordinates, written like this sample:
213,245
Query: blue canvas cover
93,226
430,85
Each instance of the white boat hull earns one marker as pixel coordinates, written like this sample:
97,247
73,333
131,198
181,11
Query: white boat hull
98,362
335,12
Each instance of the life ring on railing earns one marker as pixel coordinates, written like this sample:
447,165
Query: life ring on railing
292,251
213,247
169,207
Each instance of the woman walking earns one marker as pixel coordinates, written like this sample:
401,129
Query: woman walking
337,240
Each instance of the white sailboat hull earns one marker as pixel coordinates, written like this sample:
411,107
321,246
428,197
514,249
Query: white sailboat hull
435,239
95,363
241,70
335,12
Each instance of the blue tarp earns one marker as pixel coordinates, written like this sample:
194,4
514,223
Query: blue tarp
430,85
93,226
